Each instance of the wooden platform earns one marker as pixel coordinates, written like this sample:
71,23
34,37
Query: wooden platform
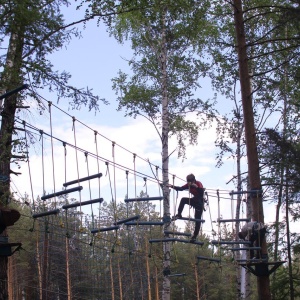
260,267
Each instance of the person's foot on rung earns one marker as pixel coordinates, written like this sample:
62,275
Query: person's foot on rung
178,216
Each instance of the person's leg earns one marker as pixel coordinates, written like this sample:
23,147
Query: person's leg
252,240
183,201
260,238
198,205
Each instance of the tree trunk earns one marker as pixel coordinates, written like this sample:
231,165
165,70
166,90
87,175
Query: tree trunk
69,291
9,81
263,282
111,279
239,269
197,282
288,241
148,271
45,265
165,159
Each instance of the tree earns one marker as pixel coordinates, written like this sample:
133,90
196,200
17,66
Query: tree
165,36
32,30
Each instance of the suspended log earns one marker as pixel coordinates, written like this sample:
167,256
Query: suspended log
76,204
75,189
98,175
144,199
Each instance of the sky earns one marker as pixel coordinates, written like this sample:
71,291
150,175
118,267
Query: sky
93,61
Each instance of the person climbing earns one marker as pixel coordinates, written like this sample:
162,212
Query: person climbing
196,189
256,232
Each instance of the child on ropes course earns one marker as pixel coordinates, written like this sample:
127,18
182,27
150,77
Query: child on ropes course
196,189
256,232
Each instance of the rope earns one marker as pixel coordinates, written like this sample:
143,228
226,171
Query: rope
29,170
76,155
52,152
111,191
90,190
98,168
114,168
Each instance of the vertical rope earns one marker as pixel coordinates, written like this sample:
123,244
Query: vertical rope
28,163
232,212
127,192
134,156
76,155
111,191
98,168
90,190
52,152
159,191
65,160
66,211
114,161
219,227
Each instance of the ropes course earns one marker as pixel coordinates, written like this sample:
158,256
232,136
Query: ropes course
97,222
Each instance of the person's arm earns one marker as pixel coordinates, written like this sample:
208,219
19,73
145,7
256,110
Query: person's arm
179,188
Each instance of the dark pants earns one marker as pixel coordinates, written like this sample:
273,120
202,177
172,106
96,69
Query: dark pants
196,203
256,239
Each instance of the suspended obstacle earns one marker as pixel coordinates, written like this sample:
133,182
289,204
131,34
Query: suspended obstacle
45,213
177,275
67,191
190,219
166,240
127,220
246,192
16,90
177,233
214,242
144,199
144,223
232,220
76,204
105,229
209,258
250,248
98,175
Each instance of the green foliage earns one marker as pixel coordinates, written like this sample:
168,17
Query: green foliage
165,37
42,28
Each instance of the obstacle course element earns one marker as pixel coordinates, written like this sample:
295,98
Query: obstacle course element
46,213
6,247
177,275
144,223
143,199
246,192
232,220
98,175
67,191
260,267
166,240
105,229
189,219
214,242
16,90
127,220
249,248
208,258
76,204
177,233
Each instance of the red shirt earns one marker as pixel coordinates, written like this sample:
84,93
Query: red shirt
196,191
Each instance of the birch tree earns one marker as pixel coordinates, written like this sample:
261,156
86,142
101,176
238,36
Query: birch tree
165,37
